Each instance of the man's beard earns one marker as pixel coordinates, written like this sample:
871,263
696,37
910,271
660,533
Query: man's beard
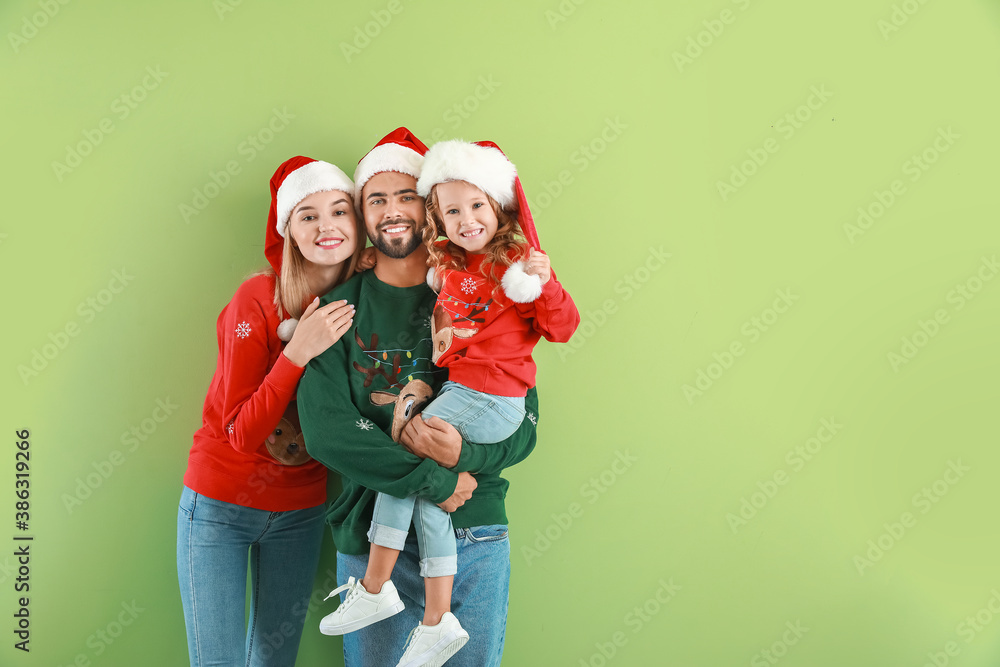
399,247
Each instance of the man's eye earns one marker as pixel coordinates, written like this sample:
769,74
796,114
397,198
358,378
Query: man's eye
408,198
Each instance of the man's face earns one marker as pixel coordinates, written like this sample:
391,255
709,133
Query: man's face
394,214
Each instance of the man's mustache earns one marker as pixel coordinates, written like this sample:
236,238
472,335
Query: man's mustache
395,223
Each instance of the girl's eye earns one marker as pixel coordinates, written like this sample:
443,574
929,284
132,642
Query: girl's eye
309,218
340,212
477,204
452,211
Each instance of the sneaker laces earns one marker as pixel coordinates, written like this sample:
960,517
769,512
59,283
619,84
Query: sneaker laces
349,585
410,639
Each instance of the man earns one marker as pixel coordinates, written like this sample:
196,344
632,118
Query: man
355,402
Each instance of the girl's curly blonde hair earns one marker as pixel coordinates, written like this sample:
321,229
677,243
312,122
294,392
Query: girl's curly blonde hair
506,247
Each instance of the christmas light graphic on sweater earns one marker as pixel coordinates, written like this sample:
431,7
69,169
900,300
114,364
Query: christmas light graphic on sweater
474,311
413,393
389,363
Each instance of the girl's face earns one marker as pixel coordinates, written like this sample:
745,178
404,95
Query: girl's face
469,220
323,227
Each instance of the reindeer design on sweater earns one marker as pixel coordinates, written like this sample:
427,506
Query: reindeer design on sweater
443,331
412,397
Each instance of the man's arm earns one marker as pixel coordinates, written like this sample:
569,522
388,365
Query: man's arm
440,441
339,437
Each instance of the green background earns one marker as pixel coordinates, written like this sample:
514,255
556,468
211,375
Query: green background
621,146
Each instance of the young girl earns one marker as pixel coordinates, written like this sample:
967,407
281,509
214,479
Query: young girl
497,297
249,486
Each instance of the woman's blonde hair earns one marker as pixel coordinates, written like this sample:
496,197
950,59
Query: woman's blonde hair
291,289
506,247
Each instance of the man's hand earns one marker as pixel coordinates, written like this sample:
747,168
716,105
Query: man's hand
463,491
433,439
367,259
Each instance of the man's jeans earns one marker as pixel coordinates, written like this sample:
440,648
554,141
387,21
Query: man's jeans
213,540
479,601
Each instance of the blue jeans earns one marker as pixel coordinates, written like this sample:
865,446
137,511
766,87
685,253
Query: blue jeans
480,418
479,601
432,525
214,539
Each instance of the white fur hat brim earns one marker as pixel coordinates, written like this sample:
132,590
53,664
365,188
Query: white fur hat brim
483,166
317,176
386,157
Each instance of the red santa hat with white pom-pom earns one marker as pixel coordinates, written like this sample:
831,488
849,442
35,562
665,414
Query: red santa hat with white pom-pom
293,181
484,165
400,151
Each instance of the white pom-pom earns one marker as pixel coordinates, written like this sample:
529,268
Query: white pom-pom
433,281
519,286
286,329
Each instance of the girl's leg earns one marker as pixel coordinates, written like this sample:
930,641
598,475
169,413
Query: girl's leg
391,520
369,600
436,538
283,564
381,644
212,542
381,561
438,592
480,418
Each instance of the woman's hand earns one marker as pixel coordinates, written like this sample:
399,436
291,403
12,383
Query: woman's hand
367,259
538,264
318,329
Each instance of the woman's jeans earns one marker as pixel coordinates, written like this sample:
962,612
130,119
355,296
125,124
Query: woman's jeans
214,539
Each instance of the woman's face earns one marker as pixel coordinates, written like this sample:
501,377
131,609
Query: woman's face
324,228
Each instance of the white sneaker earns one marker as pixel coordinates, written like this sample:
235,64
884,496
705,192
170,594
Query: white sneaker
360,608
432,645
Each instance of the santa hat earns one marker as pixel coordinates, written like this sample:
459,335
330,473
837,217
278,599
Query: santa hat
293,181
397,151
484,165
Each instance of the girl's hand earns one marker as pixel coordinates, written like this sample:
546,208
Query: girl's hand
538,264
318,329
367,259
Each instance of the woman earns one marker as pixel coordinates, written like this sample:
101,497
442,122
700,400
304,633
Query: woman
249,486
